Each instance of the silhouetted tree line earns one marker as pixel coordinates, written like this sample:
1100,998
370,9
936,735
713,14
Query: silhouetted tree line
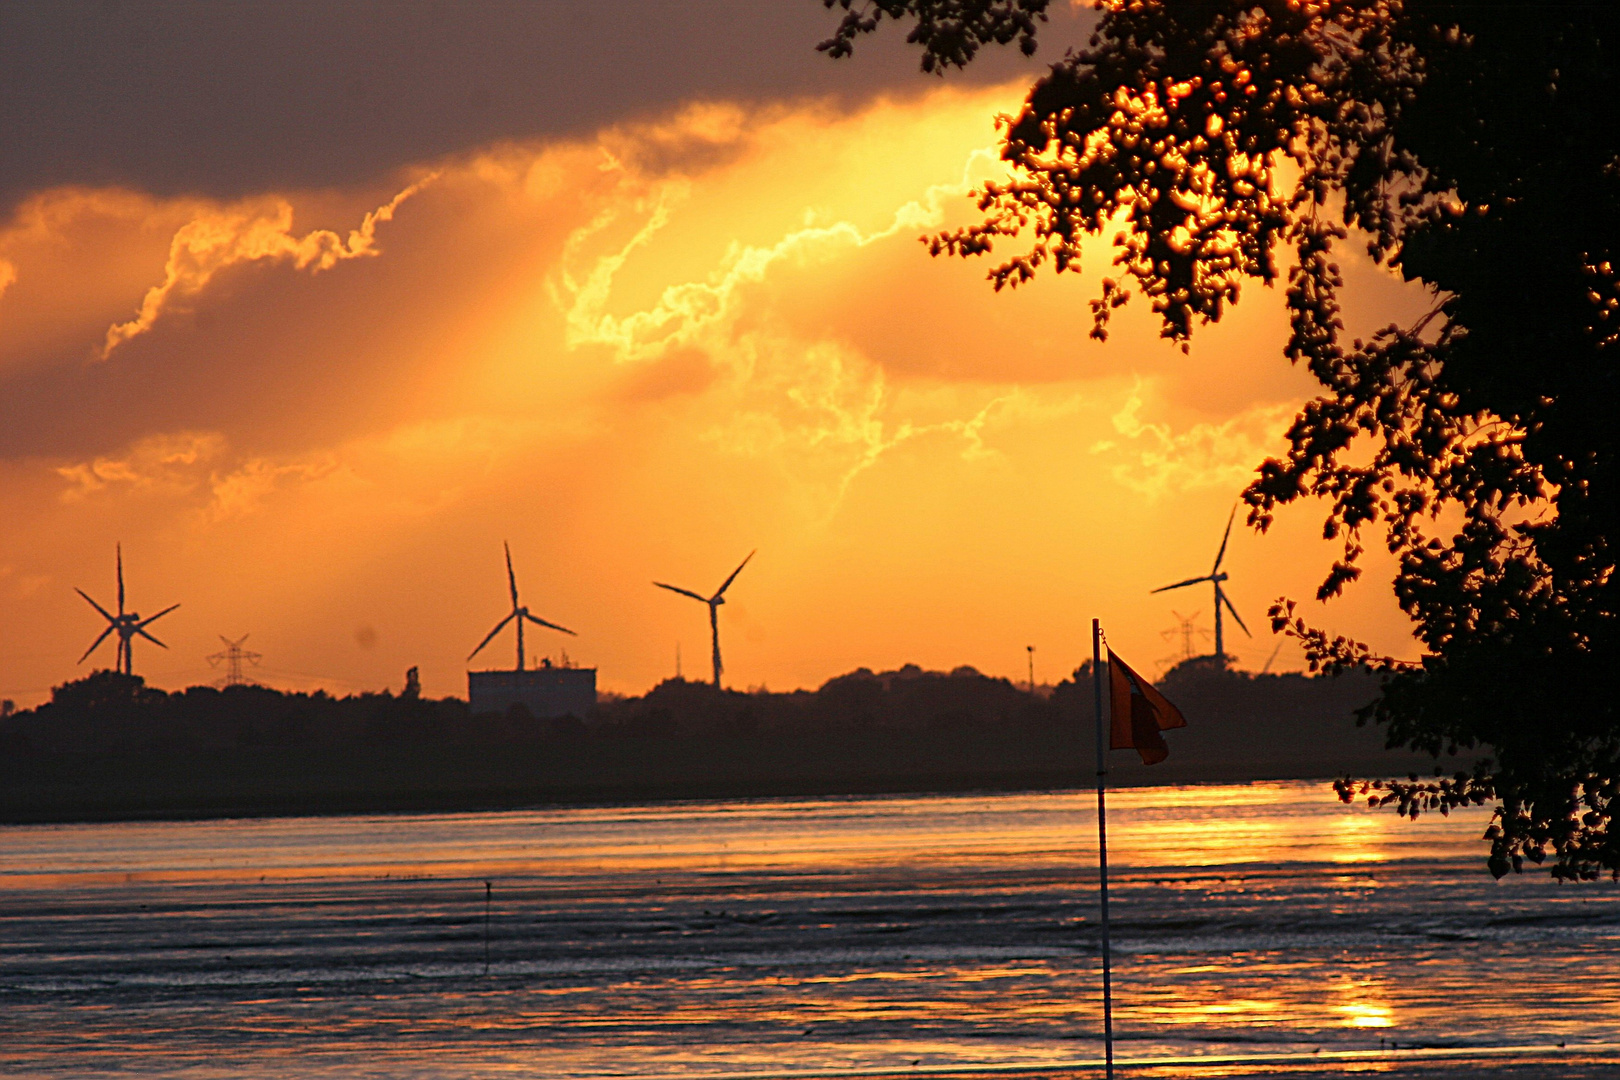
109,747
909,699
108,713
111,713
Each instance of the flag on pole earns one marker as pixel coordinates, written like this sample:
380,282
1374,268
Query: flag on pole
1138,713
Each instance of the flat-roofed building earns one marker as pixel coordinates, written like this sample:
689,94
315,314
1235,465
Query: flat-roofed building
546,692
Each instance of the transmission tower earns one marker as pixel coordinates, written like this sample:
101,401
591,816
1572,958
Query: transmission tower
1189,632
232,655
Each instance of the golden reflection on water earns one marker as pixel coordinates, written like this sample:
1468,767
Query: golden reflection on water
784,934
1367,1016
1186,827
1304,1001
1357,839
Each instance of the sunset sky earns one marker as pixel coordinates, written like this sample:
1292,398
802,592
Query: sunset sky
311,311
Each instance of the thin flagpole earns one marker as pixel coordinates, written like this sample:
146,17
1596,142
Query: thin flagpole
1102,845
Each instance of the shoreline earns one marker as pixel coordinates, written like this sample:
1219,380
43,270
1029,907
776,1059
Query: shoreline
1426,1062
16,807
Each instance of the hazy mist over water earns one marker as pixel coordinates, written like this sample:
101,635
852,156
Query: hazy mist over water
788,936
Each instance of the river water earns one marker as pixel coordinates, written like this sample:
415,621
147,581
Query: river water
1255,928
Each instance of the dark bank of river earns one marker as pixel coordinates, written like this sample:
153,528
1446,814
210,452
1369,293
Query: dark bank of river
106,752
460,776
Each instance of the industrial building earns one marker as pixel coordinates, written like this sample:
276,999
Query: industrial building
546,692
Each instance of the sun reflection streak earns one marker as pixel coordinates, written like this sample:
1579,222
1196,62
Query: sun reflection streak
1183,829
1367,1016
1357,839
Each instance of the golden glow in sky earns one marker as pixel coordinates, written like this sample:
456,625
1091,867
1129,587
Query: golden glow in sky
314,416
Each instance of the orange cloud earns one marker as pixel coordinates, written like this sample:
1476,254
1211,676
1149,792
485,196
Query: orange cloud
164,462
1155,460
249,232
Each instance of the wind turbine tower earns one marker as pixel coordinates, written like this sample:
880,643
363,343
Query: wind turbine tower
1215,576
519,614
714,603
125,624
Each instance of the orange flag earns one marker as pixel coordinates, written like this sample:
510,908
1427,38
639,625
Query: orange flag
1139,713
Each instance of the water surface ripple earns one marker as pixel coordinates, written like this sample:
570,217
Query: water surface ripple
1252,924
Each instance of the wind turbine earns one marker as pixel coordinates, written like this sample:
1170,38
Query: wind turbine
714,603
125,624
1215,576
519,613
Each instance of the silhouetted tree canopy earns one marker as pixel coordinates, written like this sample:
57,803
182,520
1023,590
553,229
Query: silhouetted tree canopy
108,746
1473,148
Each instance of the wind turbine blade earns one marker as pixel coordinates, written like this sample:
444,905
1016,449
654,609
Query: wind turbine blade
1221,554
549,625
511,578
1183,584
98,641
120,579
498,628
683,592
95,605
149,637
1273,658
734,573
150,619
1232,609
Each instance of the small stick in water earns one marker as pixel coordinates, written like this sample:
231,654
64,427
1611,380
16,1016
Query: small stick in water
489,892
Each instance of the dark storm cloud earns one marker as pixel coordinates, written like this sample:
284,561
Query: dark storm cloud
224,99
